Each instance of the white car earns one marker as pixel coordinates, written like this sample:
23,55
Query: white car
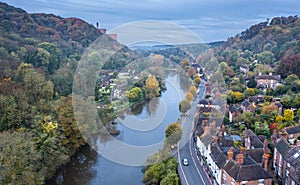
185,162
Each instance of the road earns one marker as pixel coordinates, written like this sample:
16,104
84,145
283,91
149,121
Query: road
193,174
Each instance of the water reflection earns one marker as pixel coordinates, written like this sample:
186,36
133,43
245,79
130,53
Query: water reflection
87,167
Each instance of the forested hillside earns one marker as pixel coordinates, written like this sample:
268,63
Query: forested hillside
275,42
38,56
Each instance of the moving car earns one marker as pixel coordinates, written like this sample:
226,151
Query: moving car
185,162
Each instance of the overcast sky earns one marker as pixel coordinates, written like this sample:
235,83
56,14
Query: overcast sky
211,20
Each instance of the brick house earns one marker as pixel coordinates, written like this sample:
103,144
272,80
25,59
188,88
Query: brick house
293,133
223,169
244,68
267,81
219,160
292,170
281,147
244,170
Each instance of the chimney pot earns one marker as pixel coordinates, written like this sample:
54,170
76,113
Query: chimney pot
240,159
230,154
215,139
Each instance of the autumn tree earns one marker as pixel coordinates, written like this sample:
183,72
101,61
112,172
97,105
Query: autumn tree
189,96
185,63
268,109
152,87
288,115
190,71
72,137
193,90
234,97
173,133
279,119
250,92
197,80
289,65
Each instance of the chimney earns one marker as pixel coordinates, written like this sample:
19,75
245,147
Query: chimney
266,157
266,144
215,139
229,154
239,158
243,151
284,134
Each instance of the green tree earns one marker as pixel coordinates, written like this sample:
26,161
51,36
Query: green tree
170,179
54,56
184,106
135,94
297,100
261,68
265,57
286,101
248,118
250,92
34,84
9,113
252,83
173,133
153,175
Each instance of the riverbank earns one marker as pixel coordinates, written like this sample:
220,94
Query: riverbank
88,167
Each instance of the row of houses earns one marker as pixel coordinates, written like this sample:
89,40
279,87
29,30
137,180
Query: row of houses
250,105
286,158
227,163
232,159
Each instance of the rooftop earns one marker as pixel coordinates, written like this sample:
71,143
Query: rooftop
246,172
282,146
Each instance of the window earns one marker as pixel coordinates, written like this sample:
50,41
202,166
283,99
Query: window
224,178
296,155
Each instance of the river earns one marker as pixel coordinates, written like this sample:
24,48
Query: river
87,167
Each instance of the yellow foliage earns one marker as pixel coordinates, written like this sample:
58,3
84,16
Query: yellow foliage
193,90
279,118
238,96
189,96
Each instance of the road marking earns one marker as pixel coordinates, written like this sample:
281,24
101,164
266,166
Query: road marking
195,162
179,161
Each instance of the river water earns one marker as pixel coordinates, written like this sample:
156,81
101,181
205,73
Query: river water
87,167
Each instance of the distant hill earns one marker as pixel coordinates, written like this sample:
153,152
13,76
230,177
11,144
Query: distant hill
273,42
51,43
277,36
67,33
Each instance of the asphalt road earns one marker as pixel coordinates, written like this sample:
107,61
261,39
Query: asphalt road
193,174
